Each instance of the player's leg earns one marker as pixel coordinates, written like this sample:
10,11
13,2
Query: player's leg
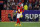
19,22
16,22
18,16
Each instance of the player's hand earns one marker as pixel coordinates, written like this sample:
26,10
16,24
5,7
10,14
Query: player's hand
16,11
20,12
21,16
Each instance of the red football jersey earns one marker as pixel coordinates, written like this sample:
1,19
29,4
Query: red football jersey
19,9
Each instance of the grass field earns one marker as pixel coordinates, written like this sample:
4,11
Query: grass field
23,24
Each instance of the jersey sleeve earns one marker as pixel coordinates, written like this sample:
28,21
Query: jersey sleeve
23,10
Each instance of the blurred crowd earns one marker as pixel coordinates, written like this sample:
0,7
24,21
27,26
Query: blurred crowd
11,4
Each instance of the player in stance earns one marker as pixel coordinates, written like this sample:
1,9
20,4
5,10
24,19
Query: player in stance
19,13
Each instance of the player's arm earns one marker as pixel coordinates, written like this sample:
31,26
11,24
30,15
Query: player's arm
23,10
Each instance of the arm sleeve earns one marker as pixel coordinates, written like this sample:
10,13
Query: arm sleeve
23,10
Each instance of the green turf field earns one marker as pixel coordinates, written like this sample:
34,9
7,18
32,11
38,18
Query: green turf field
23,24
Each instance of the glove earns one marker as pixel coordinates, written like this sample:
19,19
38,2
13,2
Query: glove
21,16
16,11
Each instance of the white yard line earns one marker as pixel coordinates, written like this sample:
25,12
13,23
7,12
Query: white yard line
21,22
30,22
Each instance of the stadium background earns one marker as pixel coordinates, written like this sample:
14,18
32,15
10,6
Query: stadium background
8,13
9,8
